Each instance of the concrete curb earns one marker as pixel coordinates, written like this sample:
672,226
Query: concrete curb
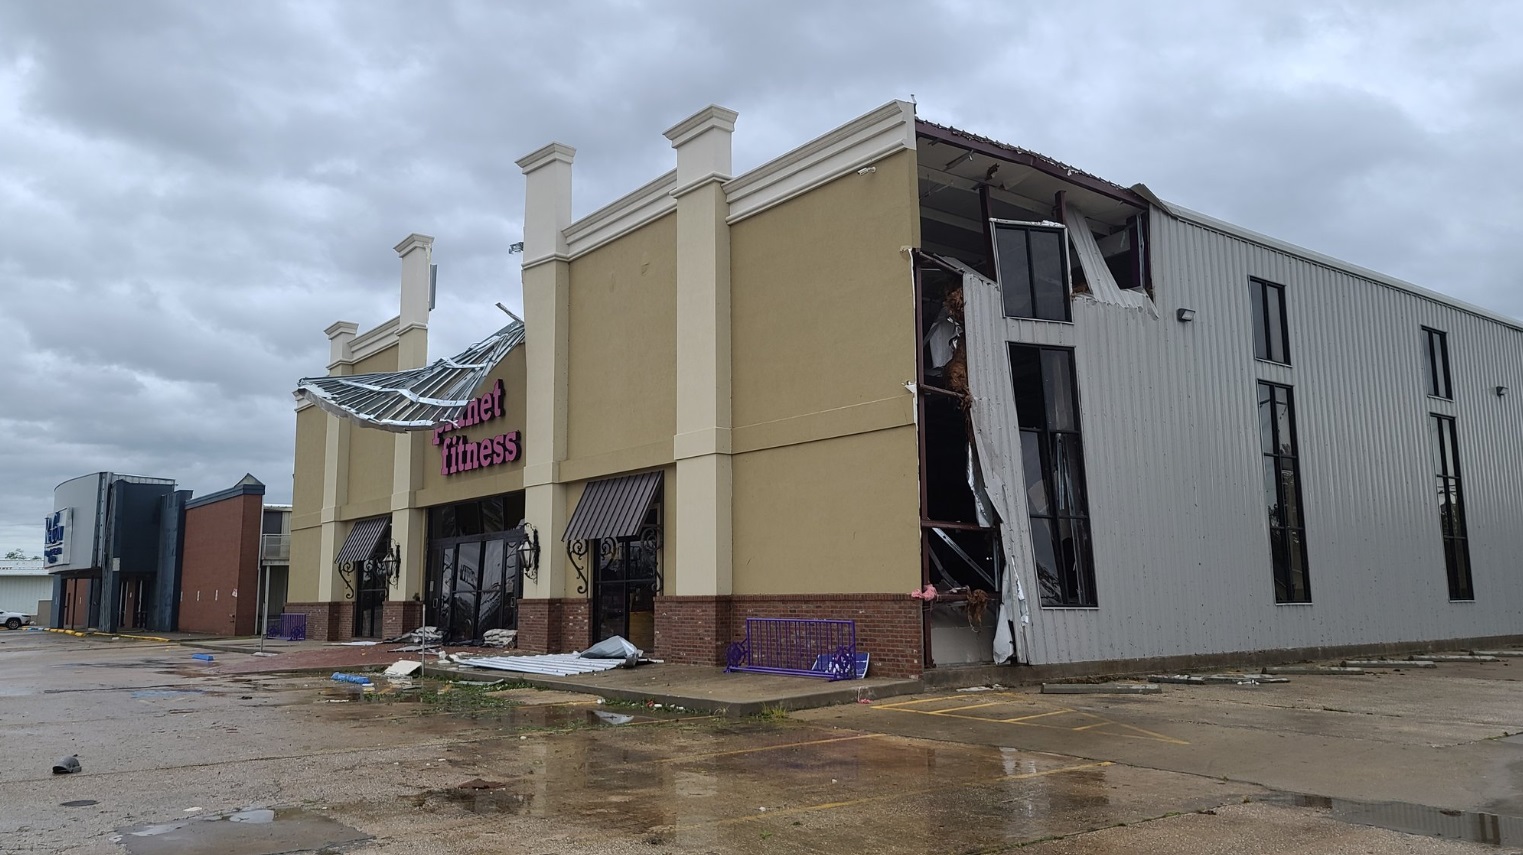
841,693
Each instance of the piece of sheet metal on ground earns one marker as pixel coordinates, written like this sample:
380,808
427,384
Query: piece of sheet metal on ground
550,664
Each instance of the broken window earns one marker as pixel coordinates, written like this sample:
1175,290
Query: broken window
1282,493
1125,254
1451,507
1438,364
1032,260
1271,337
1052,457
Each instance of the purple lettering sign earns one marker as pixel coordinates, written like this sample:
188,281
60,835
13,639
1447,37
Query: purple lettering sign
459,453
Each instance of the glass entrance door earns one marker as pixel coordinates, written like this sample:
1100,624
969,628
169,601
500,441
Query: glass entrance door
624,591
474,584
369,599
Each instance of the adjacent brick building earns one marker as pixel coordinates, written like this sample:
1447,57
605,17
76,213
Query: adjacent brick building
219,578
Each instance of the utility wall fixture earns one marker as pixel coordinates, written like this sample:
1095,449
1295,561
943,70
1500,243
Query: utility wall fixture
1185,316
1501,390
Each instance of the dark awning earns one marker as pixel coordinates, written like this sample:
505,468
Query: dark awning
362,540
613,507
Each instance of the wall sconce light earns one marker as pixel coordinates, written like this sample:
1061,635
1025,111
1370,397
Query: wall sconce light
1185,316
1501,390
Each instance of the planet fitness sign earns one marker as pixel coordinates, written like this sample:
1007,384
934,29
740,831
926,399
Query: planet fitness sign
459,453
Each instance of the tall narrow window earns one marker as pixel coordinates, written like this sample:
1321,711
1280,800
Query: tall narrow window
1451,507
1033,270
1052,456
1438,364
1282,493
1271,338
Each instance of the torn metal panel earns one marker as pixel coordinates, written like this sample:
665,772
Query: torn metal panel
416,399
996,441
550,664
1102,285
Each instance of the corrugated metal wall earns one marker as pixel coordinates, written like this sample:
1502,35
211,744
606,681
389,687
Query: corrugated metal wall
22,593
1171,445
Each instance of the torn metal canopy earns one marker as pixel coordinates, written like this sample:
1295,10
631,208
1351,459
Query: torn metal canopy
416,399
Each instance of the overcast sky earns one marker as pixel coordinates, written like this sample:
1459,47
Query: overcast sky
190,192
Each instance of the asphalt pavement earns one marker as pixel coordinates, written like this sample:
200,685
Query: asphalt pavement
179,756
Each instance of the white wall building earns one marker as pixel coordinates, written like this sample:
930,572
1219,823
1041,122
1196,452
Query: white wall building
24,584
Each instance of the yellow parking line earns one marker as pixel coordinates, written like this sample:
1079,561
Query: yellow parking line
951,710
1030,717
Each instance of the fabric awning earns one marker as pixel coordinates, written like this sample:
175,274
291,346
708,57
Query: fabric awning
613,507
362,540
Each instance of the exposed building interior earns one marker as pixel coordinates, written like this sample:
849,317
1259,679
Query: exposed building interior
1042,230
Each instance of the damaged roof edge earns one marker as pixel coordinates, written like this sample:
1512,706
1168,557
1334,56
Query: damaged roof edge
1057,169
412,399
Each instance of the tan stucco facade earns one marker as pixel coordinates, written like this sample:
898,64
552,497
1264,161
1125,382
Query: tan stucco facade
622,388
751,338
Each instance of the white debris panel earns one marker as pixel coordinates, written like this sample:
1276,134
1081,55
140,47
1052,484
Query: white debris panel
997,438
1102,285
549,664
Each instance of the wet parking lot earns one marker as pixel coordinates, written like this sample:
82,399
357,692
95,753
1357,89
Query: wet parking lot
179,761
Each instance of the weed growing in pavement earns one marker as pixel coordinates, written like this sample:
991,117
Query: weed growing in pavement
450,697
770,713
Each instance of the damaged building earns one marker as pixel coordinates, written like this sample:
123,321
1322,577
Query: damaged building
988,407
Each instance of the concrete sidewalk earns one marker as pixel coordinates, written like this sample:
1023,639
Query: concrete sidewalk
702,687
695,687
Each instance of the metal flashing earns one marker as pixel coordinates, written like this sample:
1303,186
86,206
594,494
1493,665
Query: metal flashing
415,399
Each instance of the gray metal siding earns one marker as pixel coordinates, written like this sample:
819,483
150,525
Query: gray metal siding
23,593
1171,445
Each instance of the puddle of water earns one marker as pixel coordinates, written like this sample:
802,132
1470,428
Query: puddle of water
483,801
256,831
150,694
1470,826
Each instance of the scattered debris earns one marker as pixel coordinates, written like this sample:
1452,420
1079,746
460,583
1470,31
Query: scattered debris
1177,678
1458,657
351,678
1505,653
478,784
67,765
204,657
1389,663
1327,670
403,668
1101,688
614,647
353,643
79,803
550,664
500,638
1240,679
613,718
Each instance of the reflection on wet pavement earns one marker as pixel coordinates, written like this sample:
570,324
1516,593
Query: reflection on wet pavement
256,831
725,784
